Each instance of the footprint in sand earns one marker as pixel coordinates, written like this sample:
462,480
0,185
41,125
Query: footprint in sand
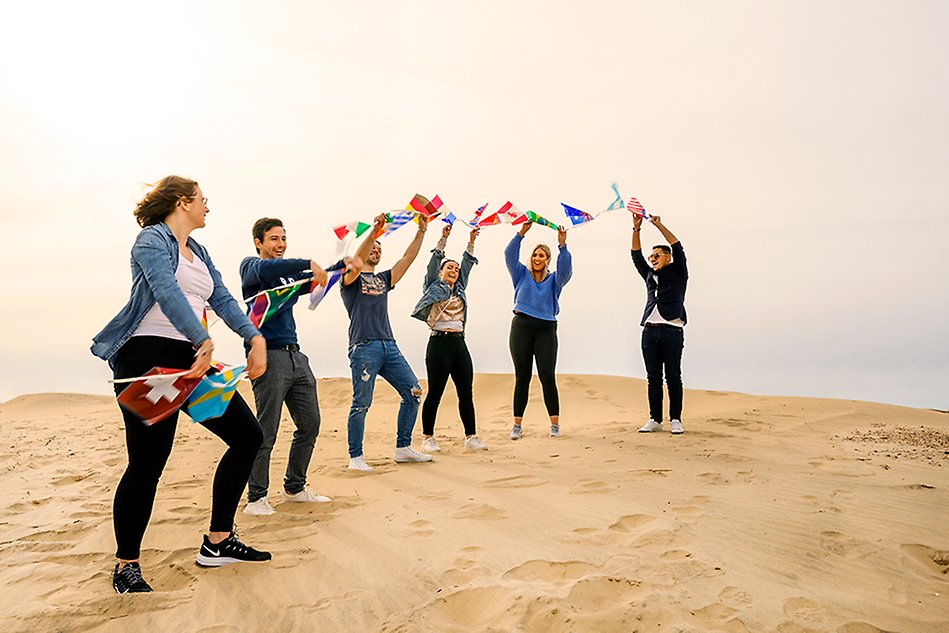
549,571
715,615
715,479
805,612
605,592
934,561
590,486
631,523
481,511
735,597
421,527
437,495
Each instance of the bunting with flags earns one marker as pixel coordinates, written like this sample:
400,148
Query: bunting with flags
213,393
618,202
267,302
157,394
357,228
421,204
477,215
395,220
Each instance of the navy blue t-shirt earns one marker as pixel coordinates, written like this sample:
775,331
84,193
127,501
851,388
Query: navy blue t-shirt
367,302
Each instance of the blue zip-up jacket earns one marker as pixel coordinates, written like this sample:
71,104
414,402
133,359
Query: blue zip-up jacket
154,262
259,274
540,300
435,290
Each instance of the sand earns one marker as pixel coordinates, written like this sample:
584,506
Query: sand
768,514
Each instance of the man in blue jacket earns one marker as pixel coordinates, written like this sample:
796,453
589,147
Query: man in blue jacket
289,380
664,319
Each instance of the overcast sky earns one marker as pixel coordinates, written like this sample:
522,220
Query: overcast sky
799,150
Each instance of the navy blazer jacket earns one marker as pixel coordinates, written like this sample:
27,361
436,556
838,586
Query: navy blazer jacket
665,287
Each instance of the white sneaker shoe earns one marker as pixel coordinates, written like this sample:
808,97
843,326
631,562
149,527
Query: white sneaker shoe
306,496
474,443
429,444
406,454
359,463
261,506
677,428
651,426
554,430
516,432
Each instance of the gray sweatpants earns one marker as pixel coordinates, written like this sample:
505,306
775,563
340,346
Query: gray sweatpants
288,379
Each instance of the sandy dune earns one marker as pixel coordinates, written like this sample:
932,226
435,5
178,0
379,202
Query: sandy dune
769,514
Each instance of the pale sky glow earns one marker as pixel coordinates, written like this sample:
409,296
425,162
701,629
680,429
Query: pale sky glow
798,150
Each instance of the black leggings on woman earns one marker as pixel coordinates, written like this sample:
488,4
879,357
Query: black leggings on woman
534,338
150,446
447,355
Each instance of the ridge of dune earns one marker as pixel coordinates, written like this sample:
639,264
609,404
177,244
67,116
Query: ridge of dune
769,514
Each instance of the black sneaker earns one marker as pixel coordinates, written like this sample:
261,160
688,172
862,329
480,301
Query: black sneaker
129,579
228,551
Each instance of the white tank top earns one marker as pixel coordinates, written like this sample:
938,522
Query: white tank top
196,284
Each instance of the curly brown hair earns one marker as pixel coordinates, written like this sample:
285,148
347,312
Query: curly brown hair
161,200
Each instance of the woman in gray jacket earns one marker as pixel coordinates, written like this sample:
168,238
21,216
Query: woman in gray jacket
444,308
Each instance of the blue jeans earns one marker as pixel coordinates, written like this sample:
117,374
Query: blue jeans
367,360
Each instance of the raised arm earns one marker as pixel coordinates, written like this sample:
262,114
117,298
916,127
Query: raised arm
564,260
666,233
468,259
513,251
438,254
411,252
636,248
362,253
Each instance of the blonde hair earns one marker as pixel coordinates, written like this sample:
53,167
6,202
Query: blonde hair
546,250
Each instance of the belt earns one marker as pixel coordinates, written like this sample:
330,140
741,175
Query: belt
666,326
292,347
453,334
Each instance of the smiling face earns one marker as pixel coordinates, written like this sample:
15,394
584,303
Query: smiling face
539,260
659,259
449,272
375,255
274,243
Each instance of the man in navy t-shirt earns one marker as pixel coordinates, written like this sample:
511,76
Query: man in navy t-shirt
372,348
288,378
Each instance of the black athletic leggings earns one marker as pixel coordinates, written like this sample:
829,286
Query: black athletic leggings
534,339
448,356
149,447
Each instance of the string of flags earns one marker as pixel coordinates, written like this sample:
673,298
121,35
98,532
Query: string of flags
507,214
162,391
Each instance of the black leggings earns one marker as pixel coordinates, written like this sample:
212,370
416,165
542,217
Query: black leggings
534,338
448,356
149,447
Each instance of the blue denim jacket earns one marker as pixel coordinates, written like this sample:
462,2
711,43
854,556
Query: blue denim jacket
154,262
436,290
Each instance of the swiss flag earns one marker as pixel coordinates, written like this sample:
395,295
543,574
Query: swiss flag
158,394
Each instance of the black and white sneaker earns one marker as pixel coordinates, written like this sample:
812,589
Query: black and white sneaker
129,579
228,551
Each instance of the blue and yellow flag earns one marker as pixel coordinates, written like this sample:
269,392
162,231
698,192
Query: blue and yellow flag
212,395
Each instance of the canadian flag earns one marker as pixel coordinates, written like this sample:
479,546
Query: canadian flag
158,394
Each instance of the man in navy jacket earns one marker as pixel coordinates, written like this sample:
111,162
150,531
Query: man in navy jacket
290,380
664,319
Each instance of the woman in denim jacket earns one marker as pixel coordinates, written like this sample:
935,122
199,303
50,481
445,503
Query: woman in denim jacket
160,326
444,307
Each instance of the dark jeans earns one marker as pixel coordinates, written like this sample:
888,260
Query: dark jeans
448,356
534,339
149,447
288,379
662,352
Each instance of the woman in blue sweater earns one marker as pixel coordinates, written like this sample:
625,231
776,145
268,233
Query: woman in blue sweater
534,327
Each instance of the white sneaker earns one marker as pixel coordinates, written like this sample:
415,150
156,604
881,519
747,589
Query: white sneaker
554,430
307,497
474,443
516,432
677,428
359,463
261,506
429,444
651,426
406,454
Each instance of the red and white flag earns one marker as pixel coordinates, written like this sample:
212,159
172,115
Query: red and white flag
510,214
634,207
157,394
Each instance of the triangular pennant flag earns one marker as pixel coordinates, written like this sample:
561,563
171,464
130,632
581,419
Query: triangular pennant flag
212,395
318,292
157,394
541,220
477,216
395,220
636,208
510,214
576,215
266,303
618,202
353,227
421,204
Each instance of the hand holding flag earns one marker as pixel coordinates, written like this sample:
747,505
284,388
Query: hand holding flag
635,207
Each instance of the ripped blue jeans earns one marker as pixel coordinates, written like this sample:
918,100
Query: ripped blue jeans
367,360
